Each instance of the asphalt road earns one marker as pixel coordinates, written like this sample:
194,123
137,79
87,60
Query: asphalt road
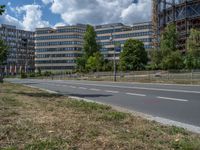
175,102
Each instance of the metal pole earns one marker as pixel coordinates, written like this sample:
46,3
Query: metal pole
114,61
115,77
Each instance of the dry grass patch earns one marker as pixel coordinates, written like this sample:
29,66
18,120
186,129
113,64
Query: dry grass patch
34,120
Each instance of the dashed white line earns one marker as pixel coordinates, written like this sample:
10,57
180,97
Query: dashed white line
111,91
173,99
94,89
72,87
82,88
135,94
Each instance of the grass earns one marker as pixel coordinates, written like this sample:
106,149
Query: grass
31,119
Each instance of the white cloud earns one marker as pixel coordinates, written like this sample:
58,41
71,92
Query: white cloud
7,19
59,24
47,1
32,17
101,11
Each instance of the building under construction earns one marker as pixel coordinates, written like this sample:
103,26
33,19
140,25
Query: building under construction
184,13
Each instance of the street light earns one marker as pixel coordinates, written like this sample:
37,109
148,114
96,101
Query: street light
112,40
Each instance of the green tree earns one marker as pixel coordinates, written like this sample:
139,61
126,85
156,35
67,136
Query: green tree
192,60
90,52
168,57
81,63
95,63
99,61
174,60
91,64
156,58
2,9
133,56
90,45
3,52
169,40
3,47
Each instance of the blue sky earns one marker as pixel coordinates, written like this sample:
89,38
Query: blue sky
30,14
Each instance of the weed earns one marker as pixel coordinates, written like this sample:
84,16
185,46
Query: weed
186,144
113,116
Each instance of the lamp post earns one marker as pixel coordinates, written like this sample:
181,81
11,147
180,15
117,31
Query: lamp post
114,61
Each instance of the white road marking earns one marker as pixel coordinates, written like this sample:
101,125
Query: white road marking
82,88
135,94
173,99
72,87
111,91
95,89
139,88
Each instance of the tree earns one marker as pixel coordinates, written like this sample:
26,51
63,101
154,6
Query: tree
173,60
168,57
194,43
3,48
90,45
91,64
2,9
169,40
3,52
90,52
192,60
81,63
156,58
95,63
133,56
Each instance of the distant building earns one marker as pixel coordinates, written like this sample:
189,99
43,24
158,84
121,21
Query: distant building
110,35
57,49
21,49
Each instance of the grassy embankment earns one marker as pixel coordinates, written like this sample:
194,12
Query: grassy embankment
35,120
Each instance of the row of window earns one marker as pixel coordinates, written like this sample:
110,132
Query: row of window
59,43
57,55
56,67
59,49
123,41
142,27
59,37
54,61
60,31
129,35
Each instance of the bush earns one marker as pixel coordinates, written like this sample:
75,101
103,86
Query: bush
32,75
47,73
23,75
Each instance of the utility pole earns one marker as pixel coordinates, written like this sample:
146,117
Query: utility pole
114,61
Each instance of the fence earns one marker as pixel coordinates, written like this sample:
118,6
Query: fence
173,76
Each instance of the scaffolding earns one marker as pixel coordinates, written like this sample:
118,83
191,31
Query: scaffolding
185,14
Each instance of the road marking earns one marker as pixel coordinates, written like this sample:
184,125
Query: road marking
137,88
135,94
111,91
173,99
95,89
72,87
82,88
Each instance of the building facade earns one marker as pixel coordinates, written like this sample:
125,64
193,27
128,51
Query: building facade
20,49
111,36
57,49
185,14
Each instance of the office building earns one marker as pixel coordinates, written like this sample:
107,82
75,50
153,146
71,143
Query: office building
115,35
57,49
185,14
20,49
